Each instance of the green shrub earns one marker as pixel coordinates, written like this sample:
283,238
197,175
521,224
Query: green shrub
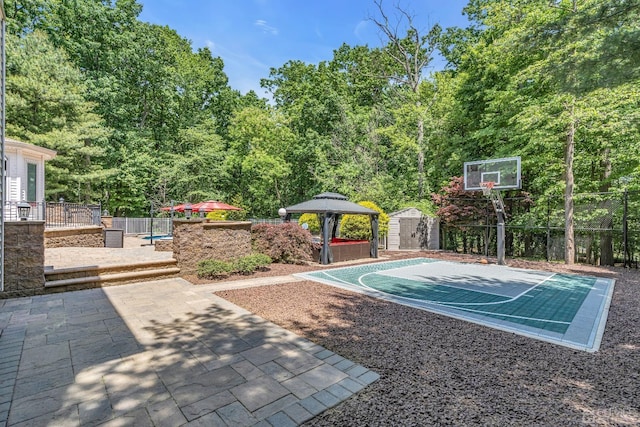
250,263
236,215
214,269
311,220
217,215
286,243
359,226
227,215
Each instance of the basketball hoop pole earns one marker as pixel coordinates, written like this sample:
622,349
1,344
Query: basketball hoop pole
491,176
500,230
498,205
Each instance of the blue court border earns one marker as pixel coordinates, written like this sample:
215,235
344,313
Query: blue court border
573,308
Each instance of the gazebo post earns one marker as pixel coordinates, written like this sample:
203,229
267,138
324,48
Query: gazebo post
374,235
324,257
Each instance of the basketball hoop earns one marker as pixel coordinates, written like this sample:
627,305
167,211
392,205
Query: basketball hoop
487,187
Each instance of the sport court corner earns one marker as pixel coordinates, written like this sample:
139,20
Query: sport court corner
565,309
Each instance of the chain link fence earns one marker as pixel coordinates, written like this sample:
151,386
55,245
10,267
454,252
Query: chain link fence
606,227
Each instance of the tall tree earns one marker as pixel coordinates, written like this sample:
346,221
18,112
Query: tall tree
259,149
410,53
531,79
46,106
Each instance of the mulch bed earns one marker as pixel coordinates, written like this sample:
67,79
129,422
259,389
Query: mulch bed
436,370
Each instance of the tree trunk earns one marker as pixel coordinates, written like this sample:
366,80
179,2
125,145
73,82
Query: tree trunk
420,158
606,237
569,239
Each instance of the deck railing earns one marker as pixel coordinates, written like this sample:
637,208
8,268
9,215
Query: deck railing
56,214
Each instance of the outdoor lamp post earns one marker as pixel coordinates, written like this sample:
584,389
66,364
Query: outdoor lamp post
201,211
187,210
283,213
23,210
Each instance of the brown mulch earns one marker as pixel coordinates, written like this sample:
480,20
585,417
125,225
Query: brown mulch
437,370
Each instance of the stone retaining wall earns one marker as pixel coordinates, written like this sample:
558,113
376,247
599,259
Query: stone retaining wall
197,239
163,245
23,258
87,237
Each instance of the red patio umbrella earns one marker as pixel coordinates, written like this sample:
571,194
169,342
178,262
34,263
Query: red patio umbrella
176,208
213,205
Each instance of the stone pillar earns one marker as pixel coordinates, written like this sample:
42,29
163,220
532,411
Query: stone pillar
199,239
107,221
23,258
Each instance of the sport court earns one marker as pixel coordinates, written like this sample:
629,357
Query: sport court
566,309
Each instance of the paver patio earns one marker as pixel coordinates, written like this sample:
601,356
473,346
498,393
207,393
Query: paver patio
163,353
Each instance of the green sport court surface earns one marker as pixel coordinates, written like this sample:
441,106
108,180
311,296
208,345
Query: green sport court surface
565,309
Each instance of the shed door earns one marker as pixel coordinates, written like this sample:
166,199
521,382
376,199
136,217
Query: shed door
409,237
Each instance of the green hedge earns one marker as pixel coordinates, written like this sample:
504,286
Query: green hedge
216,268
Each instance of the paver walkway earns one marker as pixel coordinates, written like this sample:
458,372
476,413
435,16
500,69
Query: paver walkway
163,353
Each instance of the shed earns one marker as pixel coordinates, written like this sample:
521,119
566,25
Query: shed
410,229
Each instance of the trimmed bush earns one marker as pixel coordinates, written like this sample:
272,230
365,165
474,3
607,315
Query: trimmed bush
312,222
214,268
217,215
227,215
359,226
251,263
286,243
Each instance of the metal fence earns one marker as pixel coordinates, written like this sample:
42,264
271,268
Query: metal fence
56,214
163,226
606,228
160,226
272,221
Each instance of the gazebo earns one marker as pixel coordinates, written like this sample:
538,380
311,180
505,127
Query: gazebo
330,207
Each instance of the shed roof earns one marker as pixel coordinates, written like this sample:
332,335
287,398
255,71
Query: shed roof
330,202
406,212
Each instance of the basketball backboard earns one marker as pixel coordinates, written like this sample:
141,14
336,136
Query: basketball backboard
503,173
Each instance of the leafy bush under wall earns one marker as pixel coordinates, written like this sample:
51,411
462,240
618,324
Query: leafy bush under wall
216,268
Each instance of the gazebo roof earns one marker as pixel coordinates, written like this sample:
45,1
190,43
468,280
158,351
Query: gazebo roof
330,202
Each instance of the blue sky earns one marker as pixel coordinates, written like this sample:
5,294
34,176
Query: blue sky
251,36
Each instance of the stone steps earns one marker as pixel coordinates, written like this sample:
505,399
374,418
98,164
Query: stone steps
83,277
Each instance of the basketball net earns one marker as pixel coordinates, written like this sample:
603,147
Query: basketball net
496,198
487,187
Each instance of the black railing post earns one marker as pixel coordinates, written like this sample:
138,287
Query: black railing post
625,230
549,229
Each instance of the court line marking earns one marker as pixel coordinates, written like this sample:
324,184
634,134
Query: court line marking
454,287
452,265
443,305
592,344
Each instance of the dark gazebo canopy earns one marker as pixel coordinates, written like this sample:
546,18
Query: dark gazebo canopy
330,202
330,207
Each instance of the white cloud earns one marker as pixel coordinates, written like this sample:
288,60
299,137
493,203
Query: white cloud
267,29
211,45
363,30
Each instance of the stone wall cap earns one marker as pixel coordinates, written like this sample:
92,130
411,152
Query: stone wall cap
28,222
227,224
